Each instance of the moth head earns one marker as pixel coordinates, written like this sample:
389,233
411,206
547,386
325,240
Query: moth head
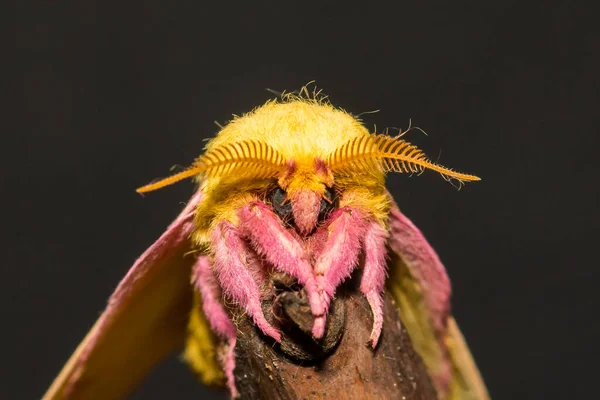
304,194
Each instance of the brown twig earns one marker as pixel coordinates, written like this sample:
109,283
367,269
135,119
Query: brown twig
341,366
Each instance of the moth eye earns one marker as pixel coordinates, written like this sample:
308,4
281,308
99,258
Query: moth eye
328,204
282,208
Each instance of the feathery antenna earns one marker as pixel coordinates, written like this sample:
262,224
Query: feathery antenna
250,158
387,154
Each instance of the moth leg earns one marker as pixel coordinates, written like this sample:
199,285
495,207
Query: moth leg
206,284
268,236
374,274
231,262
338,258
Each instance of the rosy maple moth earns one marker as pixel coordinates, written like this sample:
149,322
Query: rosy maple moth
296,186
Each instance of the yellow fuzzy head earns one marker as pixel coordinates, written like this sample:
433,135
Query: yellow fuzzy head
304,145
305,133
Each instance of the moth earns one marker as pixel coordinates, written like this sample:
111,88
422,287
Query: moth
295,186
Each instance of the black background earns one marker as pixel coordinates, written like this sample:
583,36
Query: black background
106,97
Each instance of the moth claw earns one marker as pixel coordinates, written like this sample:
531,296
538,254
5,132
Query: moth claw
372,343
268,330
319,327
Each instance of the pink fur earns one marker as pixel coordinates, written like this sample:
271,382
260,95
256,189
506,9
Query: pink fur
373,278
231,257
205,282
320,261
338,258
305,207
281,249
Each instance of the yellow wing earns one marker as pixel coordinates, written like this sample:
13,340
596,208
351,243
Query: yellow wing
466,381
421,288
145,320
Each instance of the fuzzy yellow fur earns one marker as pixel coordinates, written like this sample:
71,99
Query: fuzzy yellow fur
301,130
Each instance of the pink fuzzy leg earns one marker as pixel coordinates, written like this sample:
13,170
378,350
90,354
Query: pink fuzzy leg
280,248
205,282
338,258
373,279
231,260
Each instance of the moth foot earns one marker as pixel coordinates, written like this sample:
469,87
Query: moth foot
228,367
373,340
376,304
375,334
267,328
319,326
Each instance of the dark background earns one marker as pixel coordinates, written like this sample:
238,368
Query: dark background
106,97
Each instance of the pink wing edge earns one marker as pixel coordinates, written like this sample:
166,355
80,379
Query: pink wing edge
154,268
458,376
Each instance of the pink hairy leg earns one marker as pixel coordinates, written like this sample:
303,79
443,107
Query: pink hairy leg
206,284
338,258
270,238
373,280
231,262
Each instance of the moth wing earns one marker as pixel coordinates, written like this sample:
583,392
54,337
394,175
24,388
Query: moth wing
421,288
467,382
144,321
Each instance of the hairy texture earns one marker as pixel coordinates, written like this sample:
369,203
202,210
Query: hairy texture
337,260
279,247
302,131
305,207
299,130
385,153
205,282
231,256
373,280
